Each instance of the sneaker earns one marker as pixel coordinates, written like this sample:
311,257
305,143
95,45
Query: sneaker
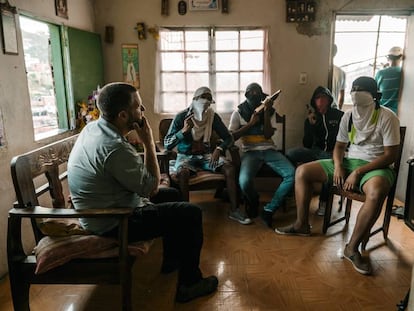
321,209
203,287
289,230
267,218
237,215
362,265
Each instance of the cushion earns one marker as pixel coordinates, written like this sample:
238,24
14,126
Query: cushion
52,252
61,227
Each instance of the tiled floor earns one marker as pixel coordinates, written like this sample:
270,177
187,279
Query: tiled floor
257,270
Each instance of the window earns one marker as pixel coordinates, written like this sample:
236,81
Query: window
363,42
226,60
45,78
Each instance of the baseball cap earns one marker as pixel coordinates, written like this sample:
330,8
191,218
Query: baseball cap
366,84
395,51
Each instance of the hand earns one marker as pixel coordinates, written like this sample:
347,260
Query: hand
352,181
188,124
339,176
144,132
267,103
214,160
312,117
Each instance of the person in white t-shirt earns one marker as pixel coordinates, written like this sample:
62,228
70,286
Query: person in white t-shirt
373,135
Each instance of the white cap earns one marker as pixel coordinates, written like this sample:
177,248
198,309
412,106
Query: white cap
395,51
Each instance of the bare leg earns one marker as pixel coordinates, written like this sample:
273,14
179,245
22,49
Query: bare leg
376,190
230,173
307,177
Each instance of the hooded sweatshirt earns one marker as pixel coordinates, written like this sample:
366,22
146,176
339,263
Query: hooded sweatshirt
323,133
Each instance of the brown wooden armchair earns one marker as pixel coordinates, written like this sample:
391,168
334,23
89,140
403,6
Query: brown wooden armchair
202,180
357,196
64,252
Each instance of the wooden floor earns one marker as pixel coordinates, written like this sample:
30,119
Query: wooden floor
257,270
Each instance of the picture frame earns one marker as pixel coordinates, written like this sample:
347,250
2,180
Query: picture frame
130,64
8,28
61,7
203,5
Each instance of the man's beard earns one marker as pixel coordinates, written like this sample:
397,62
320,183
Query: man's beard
131,121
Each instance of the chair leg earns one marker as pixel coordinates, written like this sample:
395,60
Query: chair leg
348,210
20,290
387,219
183,178
328,212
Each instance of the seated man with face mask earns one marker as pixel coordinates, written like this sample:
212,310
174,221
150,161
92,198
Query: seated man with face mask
190,132
255,128
373,135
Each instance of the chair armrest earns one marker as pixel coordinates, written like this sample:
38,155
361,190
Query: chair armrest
46,212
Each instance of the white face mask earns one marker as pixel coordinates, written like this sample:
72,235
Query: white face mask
199,106
361,98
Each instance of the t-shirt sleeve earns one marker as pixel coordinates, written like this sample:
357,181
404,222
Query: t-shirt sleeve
234,121
391,130
343,128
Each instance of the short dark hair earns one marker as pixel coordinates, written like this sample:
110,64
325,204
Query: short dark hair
113,98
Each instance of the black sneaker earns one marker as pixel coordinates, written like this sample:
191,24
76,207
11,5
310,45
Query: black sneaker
203,287
267,218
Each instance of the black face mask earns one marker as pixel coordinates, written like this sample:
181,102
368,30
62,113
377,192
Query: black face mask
254,99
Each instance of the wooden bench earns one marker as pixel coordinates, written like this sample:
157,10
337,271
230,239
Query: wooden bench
81,262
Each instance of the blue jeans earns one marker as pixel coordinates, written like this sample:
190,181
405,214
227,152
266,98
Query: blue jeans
252,161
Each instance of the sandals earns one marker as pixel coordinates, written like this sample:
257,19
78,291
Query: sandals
289,230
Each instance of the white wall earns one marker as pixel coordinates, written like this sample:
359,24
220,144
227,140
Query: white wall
14,100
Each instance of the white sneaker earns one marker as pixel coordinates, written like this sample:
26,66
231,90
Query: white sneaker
238,216
321,209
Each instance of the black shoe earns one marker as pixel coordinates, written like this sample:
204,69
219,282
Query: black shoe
267,218
203,287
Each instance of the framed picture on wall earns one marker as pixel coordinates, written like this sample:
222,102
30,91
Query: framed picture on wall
8,28
61,7
130,64
203,5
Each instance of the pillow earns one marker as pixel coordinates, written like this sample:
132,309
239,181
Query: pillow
52,252
61,227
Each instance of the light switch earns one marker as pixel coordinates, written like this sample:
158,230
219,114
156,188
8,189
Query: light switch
303,78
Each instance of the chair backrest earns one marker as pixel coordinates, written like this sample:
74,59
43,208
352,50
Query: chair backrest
280,134
27,170
397,162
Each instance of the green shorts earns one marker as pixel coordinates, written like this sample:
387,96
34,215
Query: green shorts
351,165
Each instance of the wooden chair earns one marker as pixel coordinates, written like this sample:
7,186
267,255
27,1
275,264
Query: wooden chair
48,164
358,196
202,180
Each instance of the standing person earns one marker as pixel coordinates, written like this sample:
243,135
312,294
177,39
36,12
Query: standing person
319,135
373,135
389,79
105,171
338,84
255,129
190,132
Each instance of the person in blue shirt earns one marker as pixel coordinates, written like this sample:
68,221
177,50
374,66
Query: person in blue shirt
190,133
105,171
389,79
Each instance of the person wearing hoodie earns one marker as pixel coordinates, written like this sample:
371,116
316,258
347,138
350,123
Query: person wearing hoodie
373,135
190,133
320,130
255,128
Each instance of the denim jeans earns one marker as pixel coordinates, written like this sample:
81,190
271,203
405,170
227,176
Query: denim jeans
252,161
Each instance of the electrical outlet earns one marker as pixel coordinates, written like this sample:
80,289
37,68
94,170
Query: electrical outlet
303,78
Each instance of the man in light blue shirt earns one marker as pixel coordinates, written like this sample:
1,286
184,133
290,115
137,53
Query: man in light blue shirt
104,170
